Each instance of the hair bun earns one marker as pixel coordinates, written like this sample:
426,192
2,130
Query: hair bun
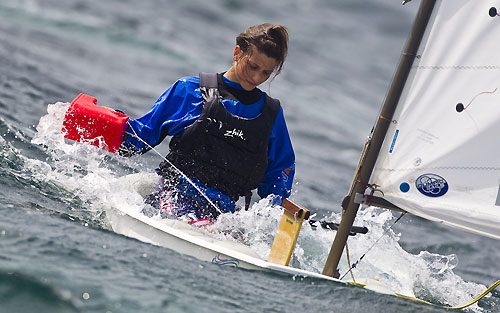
269,39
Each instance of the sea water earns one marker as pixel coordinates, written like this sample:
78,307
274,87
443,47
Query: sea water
57,251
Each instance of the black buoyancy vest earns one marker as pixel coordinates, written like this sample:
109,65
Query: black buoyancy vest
222,150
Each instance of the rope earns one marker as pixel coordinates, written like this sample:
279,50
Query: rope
374,188
347,254
173,166
349,262
373,245
482,295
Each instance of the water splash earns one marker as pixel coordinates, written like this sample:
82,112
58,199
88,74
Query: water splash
425,275
83,169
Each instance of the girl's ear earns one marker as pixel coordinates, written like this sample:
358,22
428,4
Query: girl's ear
237,53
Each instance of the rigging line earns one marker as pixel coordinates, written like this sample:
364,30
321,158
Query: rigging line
482,295
173,166
349,262
490,92
373,245
347,254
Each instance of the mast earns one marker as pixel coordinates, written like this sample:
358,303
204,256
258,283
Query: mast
373,145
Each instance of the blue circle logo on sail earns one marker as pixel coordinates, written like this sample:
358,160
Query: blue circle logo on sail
431,185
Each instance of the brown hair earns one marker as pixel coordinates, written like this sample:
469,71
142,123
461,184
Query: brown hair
270,39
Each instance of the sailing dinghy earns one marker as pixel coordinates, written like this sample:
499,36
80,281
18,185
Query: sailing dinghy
432,152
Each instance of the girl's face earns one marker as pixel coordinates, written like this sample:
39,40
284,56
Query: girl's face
250,69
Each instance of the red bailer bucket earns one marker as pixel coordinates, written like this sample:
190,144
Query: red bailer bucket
86,121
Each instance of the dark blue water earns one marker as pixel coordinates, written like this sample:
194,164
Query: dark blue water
57,253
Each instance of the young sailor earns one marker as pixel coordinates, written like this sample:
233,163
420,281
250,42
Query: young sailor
229,137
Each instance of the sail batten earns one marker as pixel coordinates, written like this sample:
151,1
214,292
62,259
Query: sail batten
441,155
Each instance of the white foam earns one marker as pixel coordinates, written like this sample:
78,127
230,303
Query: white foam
81,168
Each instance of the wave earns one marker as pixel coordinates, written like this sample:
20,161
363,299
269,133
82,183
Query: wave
26,293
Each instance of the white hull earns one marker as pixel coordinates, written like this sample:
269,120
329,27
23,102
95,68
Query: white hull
186,239
189,240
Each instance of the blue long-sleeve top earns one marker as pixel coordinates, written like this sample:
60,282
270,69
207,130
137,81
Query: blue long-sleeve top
181,104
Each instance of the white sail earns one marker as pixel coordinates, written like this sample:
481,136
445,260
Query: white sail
441,156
